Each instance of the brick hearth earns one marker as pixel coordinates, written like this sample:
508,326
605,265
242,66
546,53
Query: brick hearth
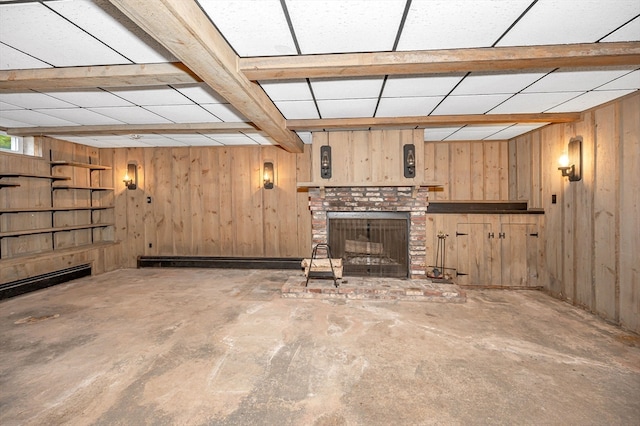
413,200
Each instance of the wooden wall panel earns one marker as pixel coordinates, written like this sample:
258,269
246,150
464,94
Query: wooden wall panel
629,246
591,244
468,170
605,211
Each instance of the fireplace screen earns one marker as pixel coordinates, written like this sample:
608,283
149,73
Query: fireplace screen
370,243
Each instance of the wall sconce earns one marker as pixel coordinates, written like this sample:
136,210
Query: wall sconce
268,175
571,163
325,162
131,177
409,151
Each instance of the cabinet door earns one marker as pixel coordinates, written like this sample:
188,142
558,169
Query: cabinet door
474,249
519,247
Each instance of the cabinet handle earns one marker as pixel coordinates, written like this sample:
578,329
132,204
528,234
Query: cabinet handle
459,234
501,235
490,235
535,234
460,273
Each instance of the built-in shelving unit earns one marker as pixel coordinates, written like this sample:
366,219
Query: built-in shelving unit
89,204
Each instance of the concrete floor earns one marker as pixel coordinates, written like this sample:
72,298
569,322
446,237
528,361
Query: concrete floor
221,347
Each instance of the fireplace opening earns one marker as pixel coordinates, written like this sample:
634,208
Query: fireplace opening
370,243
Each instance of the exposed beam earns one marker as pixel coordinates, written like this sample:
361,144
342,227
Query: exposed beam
429,121
183,28
128,129
98,76
441,61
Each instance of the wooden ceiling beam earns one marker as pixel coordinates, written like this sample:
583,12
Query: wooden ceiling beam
429,121
130,129
144,75
494,59
183,28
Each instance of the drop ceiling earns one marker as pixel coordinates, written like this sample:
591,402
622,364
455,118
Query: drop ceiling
65,34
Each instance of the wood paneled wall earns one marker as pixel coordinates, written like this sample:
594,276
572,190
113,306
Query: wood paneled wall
31,255
593,232
468,170
368,157
210,201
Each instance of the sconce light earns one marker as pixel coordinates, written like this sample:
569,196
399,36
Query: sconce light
571,163
268,175
131,177
325,162
409,151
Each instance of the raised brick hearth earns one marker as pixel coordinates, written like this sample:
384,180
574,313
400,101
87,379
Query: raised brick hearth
413,200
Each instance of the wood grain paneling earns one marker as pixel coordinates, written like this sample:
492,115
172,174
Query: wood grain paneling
591,234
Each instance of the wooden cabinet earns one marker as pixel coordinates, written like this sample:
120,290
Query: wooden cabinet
490,249
61,221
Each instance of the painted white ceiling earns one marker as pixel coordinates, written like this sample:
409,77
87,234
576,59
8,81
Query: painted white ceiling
64,33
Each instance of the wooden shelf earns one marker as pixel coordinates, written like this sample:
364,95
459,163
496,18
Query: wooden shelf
92,188
27,175
329,184
76,164
52,209
56,229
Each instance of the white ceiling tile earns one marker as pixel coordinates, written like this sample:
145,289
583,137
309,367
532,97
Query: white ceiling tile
485,84
7,122
234,139
225,112
192,139
447,24
34,118
627,81
61,44
183,113
564,22
288,90
568,81
146,96
589,100
201,94
477,132
12,59
33,100
4,106
159,140
80,116
88,98
398,107
252,27
473,104
347,108
630,32
131,115
439,133
533,102
305,136
396,87
345,26
261,139
346,88
292,110
514,131
105,22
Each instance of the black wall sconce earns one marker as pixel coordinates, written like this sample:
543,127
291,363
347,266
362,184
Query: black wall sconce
571,163
131,177
409,155
267,175
325,162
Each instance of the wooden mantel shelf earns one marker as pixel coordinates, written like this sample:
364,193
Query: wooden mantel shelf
367,184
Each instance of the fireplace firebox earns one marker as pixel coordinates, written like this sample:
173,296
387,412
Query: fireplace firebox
371,243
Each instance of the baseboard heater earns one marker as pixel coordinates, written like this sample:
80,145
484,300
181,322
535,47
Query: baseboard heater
38,282
219,262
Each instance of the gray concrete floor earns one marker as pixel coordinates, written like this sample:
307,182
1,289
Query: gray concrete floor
221,347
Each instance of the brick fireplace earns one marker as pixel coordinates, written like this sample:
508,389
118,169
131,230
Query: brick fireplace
411,200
